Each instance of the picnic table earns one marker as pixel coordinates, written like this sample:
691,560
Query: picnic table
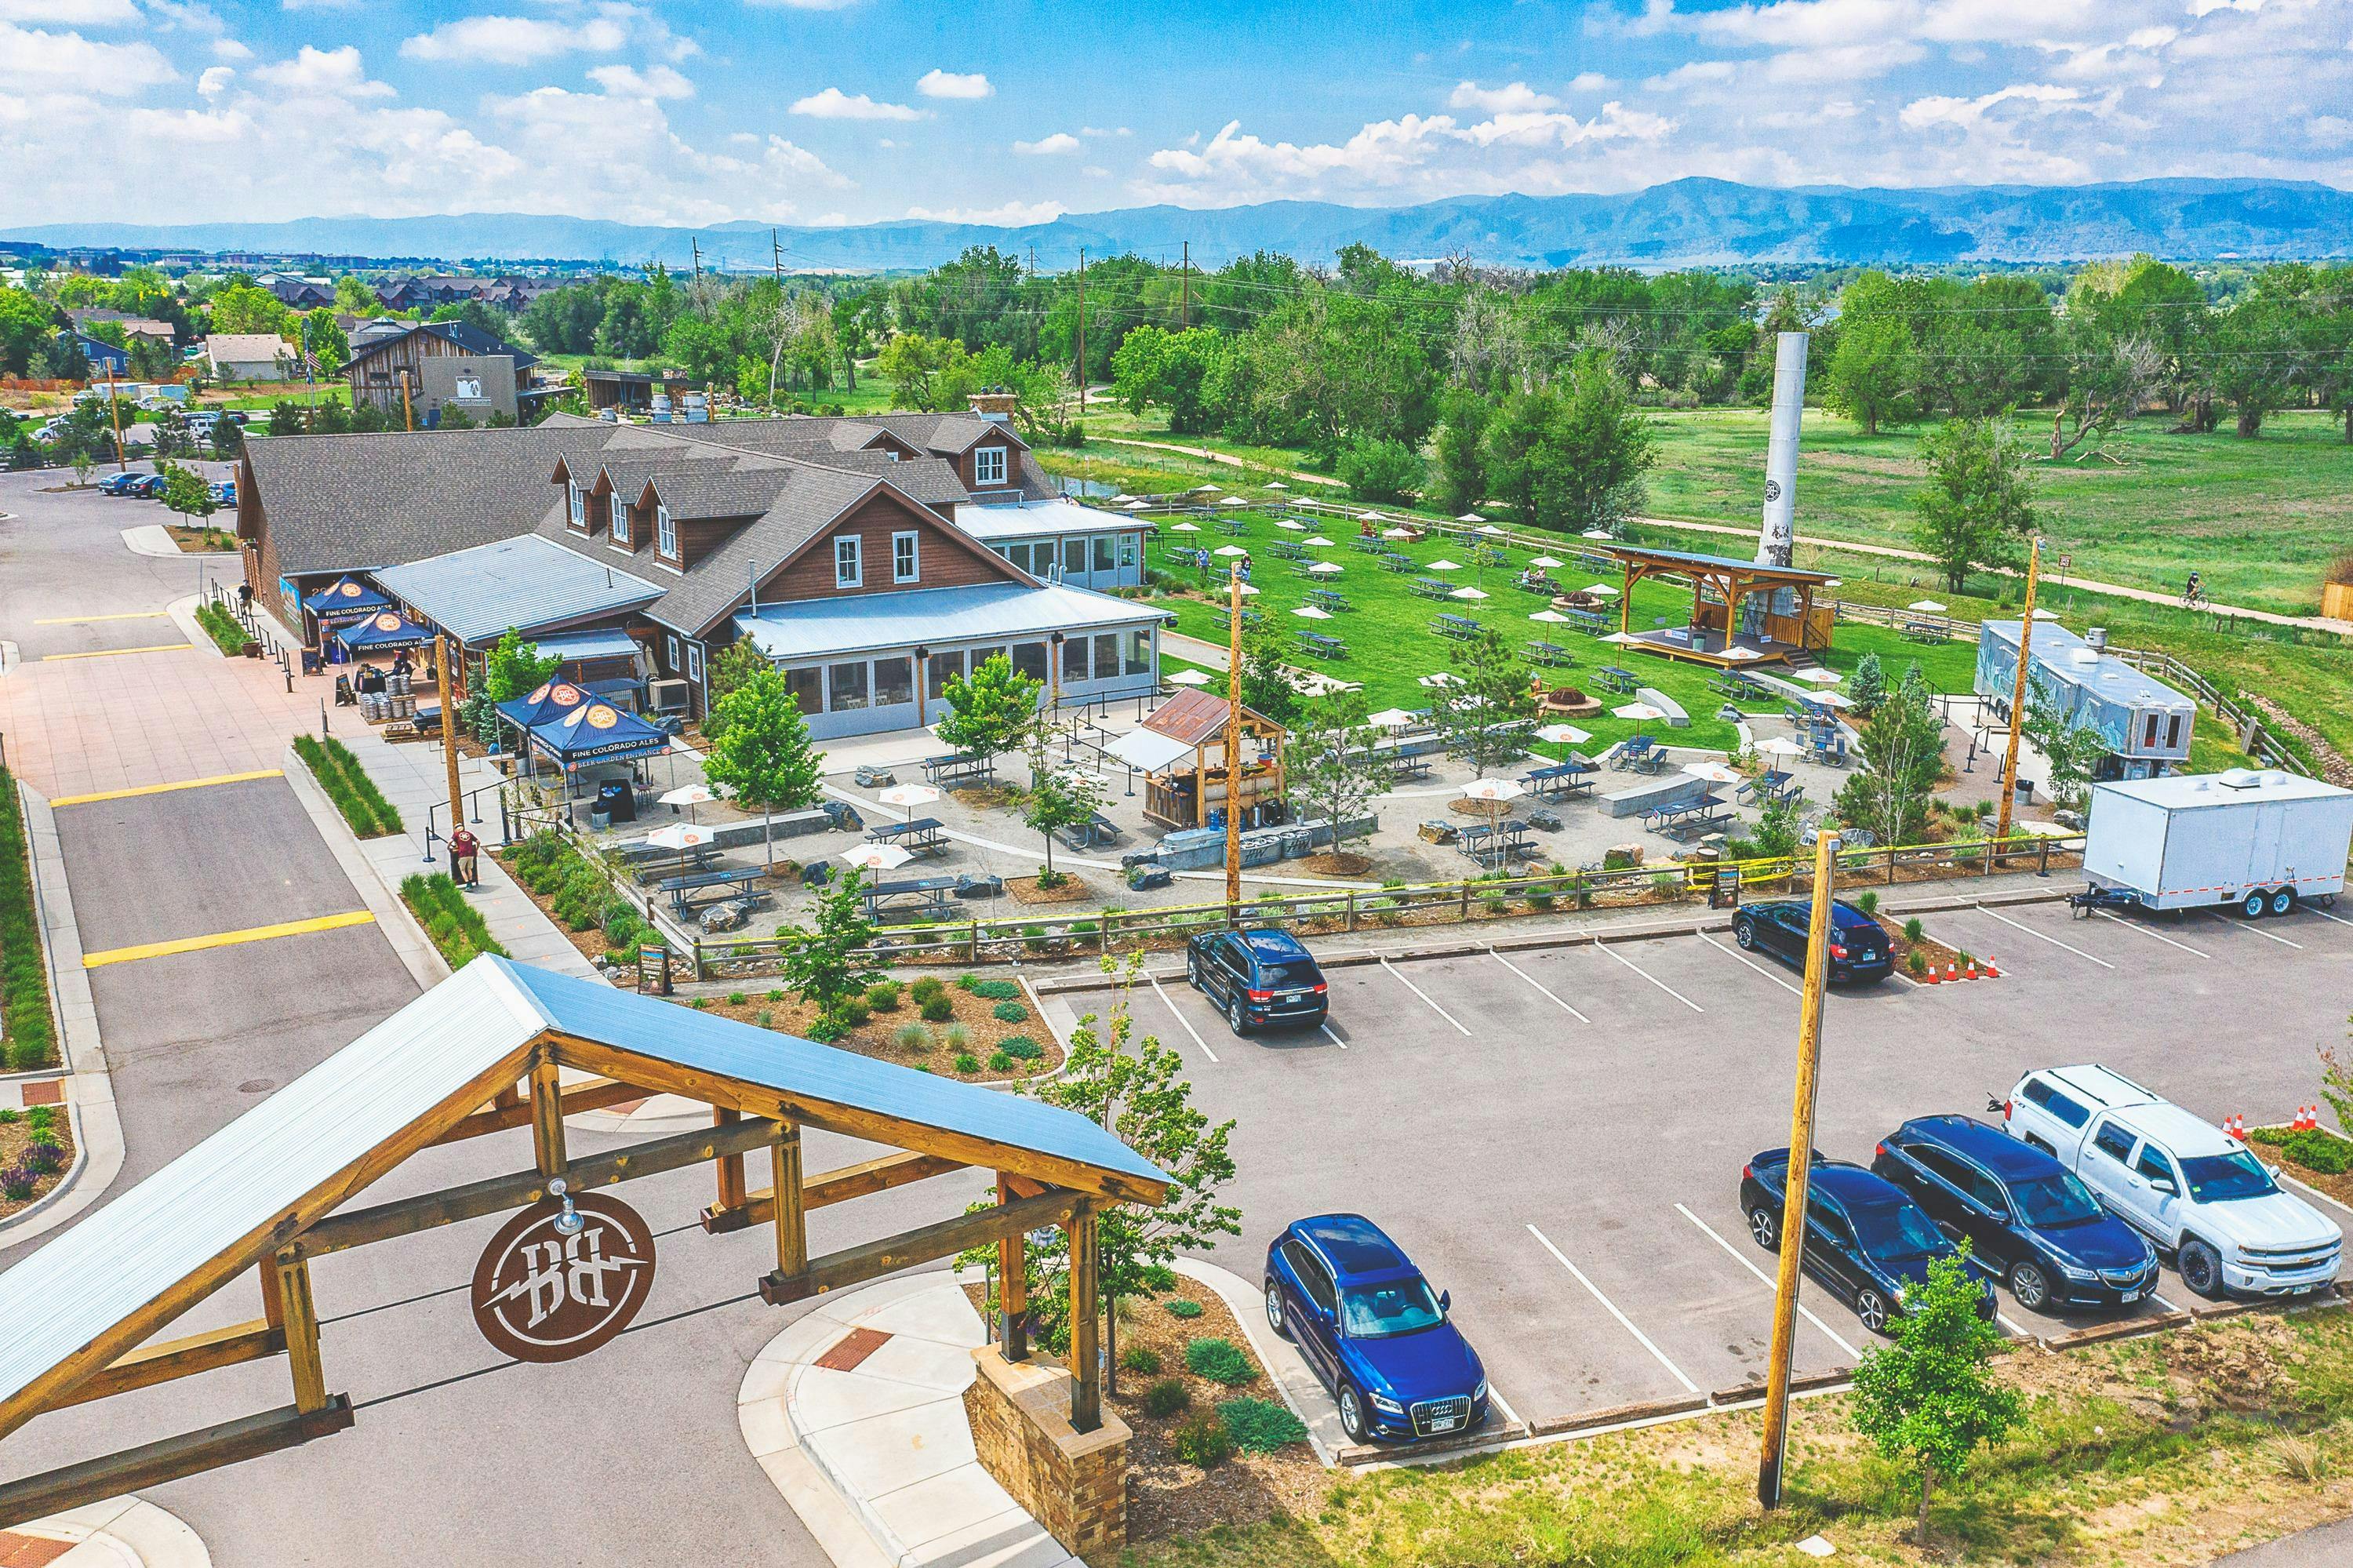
1640,754
1323,645
1560,781
1551,653
1922,631
1828,746
1610,678
1226,615
1406,768
1732,684
658,862
959,767
921,836
915,895
1394,562
1770,785
1289,549
1366,545
1428,587
1677,821
1460,627
1592,621
1230,525
1097,828
1328,598
1495,845
681,889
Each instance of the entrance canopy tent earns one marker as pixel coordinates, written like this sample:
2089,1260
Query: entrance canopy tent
346,598
383,633
551,701
595,732
478,1054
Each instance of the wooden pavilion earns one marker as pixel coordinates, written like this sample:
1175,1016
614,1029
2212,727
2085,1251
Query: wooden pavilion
1724,631
1187,789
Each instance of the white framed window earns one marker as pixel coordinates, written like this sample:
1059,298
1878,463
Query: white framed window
988,465
694,662
665,532
906,556
677,658
849,562
469,388
579,509
620,519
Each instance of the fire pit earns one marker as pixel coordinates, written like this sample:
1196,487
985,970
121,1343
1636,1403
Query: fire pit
1561,700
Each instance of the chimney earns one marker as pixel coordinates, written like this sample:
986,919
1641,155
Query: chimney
995,405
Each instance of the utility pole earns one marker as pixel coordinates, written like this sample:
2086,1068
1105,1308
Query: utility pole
448,652
1793,1202
1082,332
114,413
1234,746
1185,289
696,247
408,408
2018,695
776,258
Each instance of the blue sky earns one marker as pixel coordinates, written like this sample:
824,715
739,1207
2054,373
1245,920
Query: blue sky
855,111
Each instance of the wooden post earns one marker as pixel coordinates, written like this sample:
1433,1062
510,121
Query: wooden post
1793,1204
1012,1284
2018,694
792,1213
448,650
1233,749
547,1118
1625,600
731,1167
273,1310
301,1325
1086,1326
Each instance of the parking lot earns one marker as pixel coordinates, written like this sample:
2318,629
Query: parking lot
1557,1133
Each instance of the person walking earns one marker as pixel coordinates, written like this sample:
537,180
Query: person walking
465,857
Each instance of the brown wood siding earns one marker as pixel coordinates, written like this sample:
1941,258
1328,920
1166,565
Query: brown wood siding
942,558
697,536
378,373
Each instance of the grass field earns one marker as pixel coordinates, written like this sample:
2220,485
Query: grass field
1392,645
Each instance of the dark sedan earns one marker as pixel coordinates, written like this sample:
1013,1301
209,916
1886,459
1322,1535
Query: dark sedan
1864,1238
2026,1216
1859,950
1258,978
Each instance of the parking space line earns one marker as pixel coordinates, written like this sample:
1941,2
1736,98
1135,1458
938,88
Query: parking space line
122,615
1495,1395
1744,957
1611,949
168,789
1180,1018
1425,996
1537,983
1767,1280
1611,1308
1326,1028
2159,936
1997,914
2258,930
2162,1303
225,938
119,653
2325,914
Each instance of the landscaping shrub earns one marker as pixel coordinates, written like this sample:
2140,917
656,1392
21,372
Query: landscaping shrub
1258,1426
1867,901
966,1062
348,786
736,999
1181,1307
220,624
1914,930
1021,1048
992,990
957,1037
1916,961
927,990
1142,1360
855,1012
999,1062
24,977
455,926
1010,1012
1166,1398
766,1019
1203,1440
939,1009
2313,1148
882,996
1220,1361
912,1038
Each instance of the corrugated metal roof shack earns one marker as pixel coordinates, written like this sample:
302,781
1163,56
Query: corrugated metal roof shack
2147,723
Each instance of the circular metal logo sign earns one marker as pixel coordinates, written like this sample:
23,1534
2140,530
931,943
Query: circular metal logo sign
543,1295
1772,489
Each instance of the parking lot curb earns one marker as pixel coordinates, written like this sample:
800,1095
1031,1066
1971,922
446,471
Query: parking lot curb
1616,1414
2100,1333
1755,1389
2224,1309
1485,1437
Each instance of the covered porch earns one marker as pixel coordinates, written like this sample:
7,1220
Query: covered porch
1743,612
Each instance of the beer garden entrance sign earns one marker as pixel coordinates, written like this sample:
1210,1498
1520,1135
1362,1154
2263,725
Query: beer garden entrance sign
483,1053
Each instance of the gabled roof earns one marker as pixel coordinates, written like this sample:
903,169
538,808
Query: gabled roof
246,347
866,622
462,335
693,490
522,583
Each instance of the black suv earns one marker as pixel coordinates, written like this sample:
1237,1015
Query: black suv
1859,950
1258,978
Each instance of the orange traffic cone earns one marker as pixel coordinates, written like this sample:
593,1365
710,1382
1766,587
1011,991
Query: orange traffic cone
1971,972
2235,1127
1991,972
1952,971
2307,1118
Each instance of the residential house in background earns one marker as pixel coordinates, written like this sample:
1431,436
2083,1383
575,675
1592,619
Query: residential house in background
302,293
442,365
251,356
132,326
104,357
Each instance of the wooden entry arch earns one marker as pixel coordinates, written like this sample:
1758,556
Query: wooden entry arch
480,1053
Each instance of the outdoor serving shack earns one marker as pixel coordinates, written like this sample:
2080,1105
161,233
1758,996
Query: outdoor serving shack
1184,781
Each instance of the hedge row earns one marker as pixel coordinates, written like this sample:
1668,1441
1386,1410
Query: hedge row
579,893
217,618
347,784
31,1027
455,926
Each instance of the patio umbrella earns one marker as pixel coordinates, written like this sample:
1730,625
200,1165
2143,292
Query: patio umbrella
1232,501
681,837
1544,563
877,857
1137,507
1494,794
1818,676
907,797
1122,499
1290,524
1779,745
1392,718
1550,617
689,796
1466,593
1396,533
1492,531
1204,489
1190,678
1443,565
1184,527
1276,484
1599,590
1249,591
1624,638
1741,650
1325,568
1317,543
1713,772
1829,699
1370,517
1309,612
1470,517
1229,550
1640,712
1927,607
1598,534
1562,734
1440,679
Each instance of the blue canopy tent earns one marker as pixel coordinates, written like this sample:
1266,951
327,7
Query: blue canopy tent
553,700
347,599
382,633
595,732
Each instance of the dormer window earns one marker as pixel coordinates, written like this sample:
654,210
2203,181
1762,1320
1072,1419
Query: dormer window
665,532
579,508
849,563
988,465
620,519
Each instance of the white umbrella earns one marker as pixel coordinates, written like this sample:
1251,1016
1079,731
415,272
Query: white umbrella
1370,517
907,797
1184,527
1204,489
1392,718
1492,531
1562,734
1780,745
1834,582
1294,525
1229,550
1466,593
681,836
1317,543
1309,612
1927,607
1494,791
1443,565
1276,484
1597,533
1470,517
1440,679
689,795
1740,650
1550,617
1189,678
1830,699
1818,675
1232,501
877,857
1624,638
1713,772
1138,506
1599,590
1546,563
1122,499
1396,533
1249,591
1325,568
1640,712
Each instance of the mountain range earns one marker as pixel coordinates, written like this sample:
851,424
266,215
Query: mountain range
1686,223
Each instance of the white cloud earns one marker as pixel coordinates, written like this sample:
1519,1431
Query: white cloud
322,73
1939,110
1012,215
320,4
71,13
38,60
805,5
938,83
654,81
230,49
1105,131
835,104
1588,82
1516,98
215,81
513,40
1096,172
1047,146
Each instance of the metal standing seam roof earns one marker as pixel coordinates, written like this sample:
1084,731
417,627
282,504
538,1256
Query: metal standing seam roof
1028,519
1194,716
2060,654
854,624
603,643
521,583
202,1207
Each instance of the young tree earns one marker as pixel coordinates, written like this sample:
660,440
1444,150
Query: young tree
1904,757
1930,1399
1868,688
186,491
1333,765
1058,798
1476,709
514,668
2072,750
1978,501
763,755
731,667
1137,1092
829,964
991,710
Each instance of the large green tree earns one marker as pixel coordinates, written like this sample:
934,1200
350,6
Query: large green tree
763,756
1333,766
991,711
1977,507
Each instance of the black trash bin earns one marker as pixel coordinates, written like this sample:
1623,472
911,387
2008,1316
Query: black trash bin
617,800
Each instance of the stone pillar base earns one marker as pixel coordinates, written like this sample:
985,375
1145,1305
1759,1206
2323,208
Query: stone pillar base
1074,1483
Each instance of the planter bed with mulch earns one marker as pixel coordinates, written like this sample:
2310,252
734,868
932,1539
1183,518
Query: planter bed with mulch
993,1017
36,1149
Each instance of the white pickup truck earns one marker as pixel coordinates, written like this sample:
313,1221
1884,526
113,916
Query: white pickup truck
2196,1193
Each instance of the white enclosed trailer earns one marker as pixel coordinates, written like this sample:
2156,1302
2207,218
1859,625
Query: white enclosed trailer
2260,841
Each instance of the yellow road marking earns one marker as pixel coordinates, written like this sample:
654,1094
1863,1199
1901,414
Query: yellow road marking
225,938
125,615
111,653
167,789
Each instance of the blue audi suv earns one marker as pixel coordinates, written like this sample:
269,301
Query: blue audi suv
1369,1324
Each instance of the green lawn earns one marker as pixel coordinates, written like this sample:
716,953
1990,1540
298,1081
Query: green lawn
1392,645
